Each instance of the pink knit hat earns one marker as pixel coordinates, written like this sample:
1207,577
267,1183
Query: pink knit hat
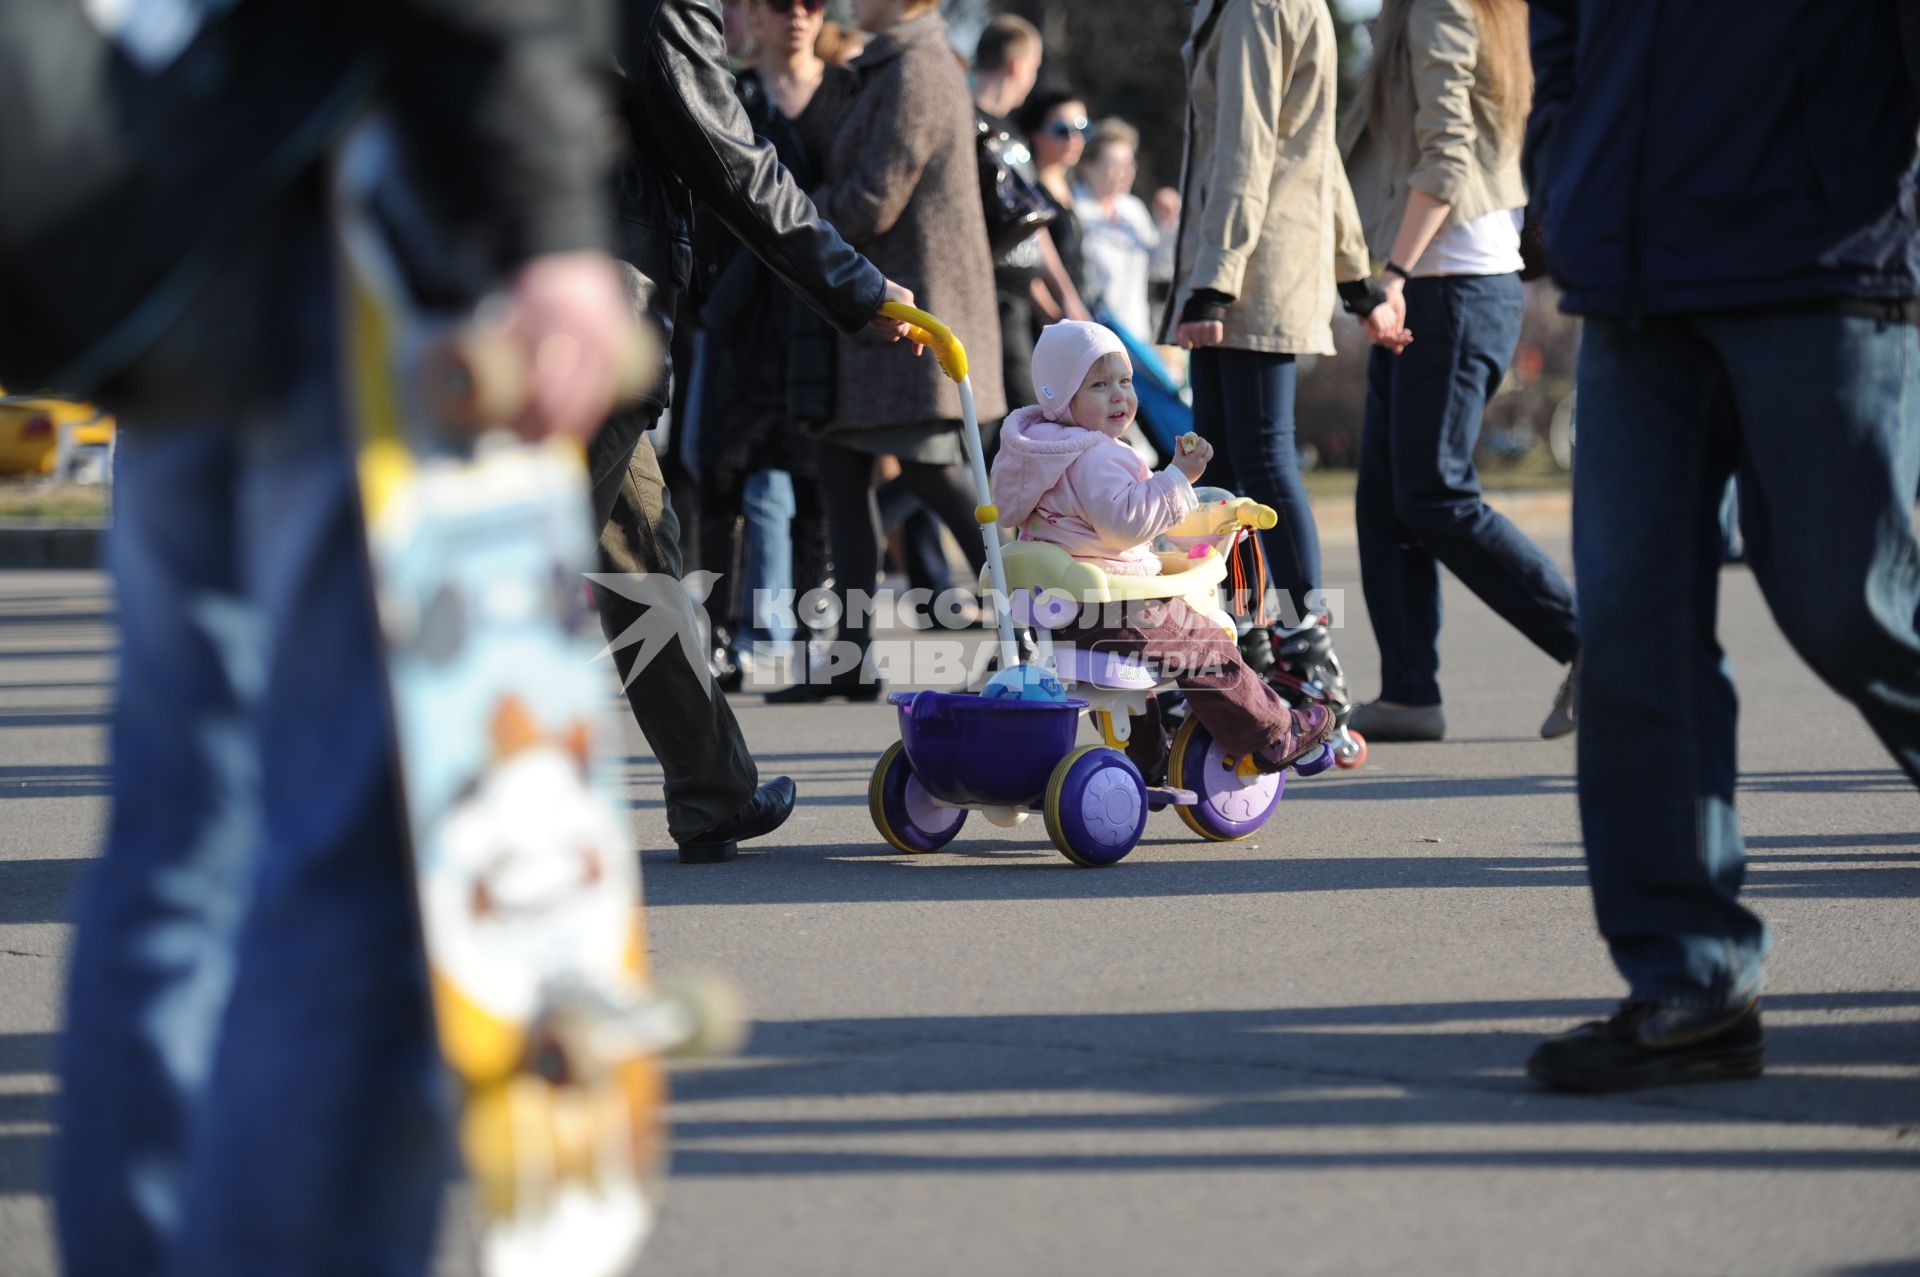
1061,358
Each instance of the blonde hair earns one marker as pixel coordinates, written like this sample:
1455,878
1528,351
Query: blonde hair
1112,131
1504,69
837,44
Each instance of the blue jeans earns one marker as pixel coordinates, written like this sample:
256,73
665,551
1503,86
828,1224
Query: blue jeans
1243,406
768,505
1820,414
249,1074
1418,505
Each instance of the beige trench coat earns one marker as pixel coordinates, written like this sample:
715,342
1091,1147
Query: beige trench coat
1438,131
903,186
1267,216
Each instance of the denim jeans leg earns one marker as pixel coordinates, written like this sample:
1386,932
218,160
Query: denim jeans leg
1656,743
769,511
1398,575
1256,401
252,1084
1468,327
157,923
327,1070
1829,408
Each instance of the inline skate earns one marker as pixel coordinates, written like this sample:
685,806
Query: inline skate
1303,668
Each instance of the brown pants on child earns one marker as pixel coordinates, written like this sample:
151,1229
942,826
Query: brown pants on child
1170,639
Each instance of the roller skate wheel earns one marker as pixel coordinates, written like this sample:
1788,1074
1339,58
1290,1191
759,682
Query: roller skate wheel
1351,752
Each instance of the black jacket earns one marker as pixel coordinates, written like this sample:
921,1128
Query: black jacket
1714,154
690,140
125,191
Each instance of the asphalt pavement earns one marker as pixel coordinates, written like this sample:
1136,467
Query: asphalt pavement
1295,1054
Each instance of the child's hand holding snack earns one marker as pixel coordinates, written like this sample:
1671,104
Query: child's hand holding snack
1193,456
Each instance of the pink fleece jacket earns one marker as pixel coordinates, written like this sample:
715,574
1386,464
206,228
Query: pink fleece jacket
1085,492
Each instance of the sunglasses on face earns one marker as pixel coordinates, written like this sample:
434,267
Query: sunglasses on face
1064,129
788,6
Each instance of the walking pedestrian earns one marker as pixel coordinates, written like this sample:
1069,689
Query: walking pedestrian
1433,151
1268,228
903,183
1749,305
761,492
690,141
1120,235
249,1079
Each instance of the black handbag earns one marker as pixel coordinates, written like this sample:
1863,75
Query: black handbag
1009,192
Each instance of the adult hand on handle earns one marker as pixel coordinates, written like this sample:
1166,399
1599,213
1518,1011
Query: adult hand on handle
886,325
569,314
1196,333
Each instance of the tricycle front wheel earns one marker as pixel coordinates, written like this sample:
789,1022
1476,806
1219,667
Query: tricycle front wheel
903,811
1096,806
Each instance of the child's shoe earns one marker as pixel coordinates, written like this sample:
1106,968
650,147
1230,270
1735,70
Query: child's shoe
1309,730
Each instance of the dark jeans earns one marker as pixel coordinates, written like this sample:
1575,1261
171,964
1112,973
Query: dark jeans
1418,504
1243,406
249,1082
853,520
708,772
1820,415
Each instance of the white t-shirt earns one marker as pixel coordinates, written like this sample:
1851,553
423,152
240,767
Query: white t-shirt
1117,252
1488,245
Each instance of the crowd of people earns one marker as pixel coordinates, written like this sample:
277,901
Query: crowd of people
248,1064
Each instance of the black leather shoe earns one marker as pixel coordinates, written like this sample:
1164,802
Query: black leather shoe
856,685
1645,1044
771,805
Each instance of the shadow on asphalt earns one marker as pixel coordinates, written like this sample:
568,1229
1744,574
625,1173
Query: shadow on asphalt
23,1153
1403,1066
54,780
1000,868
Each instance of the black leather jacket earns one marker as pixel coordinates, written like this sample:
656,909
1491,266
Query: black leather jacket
691,140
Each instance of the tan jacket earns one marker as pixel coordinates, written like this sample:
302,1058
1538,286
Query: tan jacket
1438,131
1267,216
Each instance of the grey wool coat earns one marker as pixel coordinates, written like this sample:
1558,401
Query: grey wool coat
903,187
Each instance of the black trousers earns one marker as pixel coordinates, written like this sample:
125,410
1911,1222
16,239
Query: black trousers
685,718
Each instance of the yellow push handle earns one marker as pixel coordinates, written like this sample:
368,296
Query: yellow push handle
923,329
1255,515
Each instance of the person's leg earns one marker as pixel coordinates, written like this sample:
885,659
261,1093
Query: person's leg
1828,508
769,508
853,524
251,749
157,925
1257,392
709,775
1241,710
924,554
721,549
1210,417
1656,752
325,1140
947,491
1400,579
1468,327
